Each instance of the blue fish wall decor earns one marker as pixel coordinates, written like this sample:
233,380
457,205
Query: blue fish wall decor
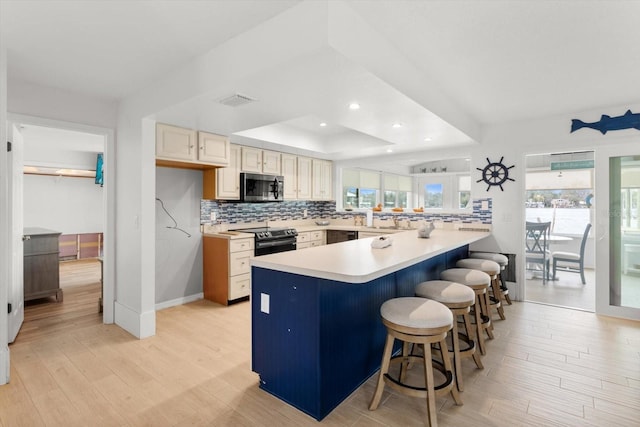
628,120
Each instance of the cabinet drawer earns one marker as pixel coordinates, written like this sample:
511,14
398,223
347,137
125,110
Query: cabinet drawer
303,245
303,237
239,263
317,235
240,245
316,243
239,286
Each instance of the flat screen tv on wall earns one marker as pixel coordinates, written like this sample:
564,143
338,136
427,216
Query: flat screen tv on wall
99,170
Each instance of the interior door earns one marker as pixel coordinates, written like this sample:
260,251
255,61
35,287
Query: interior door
618,230
16,291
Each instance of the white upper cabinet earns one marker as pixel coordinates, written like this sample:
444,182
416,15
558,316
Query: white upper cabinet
228,178
297,177
261,161
271,162
322,182
290,174
175,143
304,178
251,160
187,145
213,148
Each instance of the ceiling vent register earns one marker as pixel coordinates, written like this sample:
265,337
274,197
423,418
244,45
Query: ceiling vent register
237,100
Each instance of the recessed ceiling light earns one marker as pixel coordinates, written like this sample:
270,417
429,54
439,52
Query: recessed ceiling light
397,125
323,124
389,150
428,139
354,106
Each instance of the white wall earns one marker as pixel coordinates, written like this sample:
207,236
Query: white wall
178,256
65,204
516,140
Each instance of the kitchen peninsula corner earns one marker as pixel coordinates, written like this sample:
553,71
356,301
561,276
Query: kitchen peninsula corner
316,330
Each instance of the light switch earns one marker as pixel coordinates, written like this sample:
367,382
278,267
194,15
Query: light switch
264,303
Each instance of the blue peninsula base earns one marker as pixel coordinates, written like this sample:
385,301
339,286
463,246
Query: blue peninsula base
315,341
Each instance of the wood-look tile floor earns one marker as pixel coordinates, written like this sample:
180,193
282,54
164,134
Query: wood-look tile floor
547,366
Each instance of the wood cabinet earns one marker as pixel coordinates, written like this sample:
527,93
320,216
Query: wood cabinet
214,149
41,264
227,180
261,161
297,177
290,174
322,182
226,269
190,147
308,239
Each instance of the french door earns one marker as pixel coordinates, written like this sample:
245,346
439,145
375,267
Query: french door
618,230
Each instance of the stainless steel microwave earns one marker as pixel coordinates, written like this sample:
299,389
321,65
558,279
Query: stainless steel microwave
261,188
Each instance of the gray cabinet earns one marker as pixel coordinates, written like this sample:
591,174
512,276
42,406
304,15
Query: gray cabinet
41,264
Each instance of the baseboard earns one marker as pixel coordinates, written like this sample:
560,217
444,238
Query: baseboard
4,365
140,325
179,301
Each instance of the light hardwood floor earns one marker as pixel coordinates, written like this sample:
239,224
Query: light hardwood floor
547,366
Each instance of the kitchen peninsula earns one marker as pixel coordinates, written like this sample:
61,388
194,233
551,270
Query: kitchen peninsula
316,329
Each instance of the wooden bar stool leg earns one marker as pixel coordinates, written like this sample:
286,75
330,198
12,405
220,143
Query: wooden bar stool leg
497,294
479,332
470,332
456,353
444,352
485,305
384,368
431,395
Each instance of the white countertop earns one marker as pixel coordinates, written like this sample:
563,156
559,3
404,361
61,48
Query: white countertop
355,261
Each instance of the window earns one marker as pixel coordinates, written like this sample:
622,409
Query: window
359,189
445,191
562,197
397,191
433,196
464,191
366,189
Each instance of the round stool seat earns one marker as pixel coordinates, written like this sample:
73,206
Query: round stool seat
416,313
488,266
503,261
446,292
466,276
499,258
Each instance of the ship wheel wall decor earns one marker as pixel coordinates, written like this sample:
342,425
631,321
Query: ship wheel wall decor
495,174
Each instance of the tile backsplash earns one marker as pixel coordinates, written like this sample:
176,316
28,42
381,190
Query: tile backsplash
240,213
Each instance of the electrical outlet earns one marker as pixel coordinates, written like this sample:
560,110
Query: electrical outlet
264,303
304,213
213,216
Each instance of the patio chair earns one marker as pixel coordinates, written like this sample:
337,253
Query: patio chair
572,262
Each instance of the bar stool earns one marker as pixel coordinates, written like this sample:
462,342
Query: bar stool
479,282
459,299
492,269
502,261
419,321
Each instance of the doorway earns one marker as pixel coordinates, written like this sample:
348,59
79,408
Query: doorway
101,206
560,192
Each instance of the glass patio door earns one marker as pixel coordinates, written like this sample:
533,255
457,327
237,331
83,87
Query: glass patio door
618,231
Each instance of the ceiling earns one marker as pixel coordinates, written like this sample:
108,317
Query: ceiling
491,61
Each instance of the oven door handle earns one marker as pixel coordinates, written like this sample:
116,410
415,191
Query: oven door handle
278,242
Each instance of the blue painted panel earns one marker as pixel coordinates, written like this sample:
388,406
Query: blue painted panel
285,343
352,336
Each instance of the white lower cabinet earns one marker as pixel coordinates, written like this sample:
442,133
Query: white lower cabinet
226,268
308,239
